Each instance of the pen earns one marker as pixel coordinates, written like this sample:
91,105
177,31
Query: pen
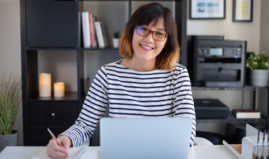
52,135
257,147
267,144
263,143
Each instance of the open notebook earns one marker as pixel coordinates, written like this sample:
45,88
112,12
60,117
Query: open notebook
72,153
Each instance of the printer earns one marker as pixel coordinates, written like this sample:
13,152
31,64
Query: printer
215,62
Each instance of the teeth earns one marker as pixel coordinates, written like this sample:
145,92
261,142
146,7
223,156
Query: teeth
146,47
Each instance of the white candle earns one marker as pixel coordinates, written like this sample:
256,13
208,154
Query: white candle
58,89
44,85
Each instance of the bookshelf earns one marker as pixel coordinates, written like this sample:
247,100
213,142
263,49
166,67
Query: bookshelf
51,42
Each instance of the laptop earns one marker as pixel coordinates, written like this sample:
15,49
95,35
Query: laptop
145,138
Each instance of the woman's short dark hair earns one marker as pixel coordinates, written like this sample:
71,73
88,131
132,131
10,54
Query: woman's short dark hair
144,15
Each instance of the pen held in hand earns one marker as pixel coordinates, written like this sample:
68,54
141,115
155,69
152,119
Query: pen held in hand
52,135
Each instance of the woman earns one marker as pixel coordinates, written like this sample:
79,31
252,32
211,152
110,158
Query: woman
147,83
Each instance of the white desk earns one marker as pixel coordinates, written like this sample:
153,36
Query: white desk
197,152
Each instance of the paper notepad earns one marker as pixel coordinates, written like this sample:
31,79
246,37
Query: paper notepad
71,152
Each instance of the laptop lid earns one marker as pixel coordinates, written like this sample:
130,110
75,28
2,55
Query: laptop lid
145,138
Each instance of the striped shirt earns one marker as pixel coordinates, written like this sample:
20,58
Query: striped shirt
129,93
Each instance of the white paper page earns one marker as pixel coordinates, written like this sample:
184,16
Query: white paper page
43,154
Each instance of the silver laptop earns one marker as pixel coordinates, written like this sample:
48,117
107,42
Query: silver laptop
145,138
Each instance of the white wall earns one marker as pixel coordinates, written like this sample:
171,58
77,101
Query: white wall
264,30
10,46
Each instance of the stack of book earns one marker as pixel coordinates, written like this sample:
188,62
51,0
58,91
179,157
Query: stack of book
93,32
247,113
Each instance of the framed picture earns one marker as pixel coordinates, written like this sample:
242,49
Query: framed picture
207,9
242,10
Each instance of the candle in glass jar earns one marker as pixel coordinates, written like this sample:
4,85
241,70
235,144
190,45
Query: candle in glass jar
58,89
44,85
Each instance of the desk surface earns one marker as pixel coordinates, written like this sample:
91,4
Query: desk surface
196,152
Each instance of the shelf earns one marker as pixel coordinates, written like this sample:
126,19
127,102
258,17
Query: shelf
232,119
69,96
259,126
52,42
79,49
113,0
51,48
105,48
94,0
65,127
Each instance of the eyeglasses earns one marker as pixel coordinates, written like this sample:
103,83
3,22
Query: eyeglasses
156,35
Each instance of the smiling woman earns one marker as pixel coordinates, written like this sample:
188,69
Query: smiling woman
146,47
147,83
157,20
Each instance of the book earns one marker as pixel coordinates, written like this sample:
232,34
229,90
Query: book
91,30
86,29
247,113
103,34
99,34
80,29
73,153
94,31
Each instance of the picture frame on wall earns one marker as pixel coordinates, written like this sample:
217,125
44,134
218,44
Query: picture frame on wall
207,9
242,10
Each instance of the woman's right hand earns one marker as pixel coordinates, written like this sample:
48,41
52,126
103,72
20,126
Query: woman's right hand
59,151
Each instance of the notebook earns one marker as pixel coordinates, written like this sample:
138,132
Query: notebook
72,153
145,138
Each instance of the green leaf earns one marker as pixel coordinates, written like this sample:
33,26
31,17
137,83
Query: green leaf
259,61
10,102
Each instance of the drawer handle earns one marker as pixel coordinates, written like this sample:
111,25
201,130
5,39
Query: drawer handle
52,114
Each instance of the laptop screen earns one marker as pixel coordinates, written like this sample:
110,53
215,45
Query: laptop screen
145,138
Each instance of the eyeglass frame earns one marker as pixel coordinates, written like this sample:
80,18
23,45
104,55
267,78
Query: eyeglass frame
150,31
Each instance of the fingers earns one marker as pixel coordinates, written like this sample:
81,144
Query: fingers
65,141
56,151
65,144
66,148
57,154
57,147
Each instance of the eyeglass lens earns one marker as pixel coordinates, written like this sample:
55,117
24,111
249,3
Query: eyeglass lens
158,36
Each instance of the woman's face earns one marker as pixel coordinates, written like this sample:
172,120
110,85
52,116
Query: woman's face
146,48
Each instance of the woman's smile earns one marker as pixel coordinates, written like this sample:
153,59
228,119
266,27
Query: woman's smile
146,47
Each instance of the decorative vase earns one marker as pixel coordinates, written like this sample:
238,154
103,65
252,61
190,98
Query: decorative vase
259,78
8,140
115,43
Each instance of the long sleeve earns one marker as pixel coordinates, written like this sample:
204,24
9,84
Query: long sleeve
183,101
93,109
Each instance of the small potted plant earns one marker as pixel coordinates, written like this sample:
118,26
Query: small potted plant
116,39
10,104
259,65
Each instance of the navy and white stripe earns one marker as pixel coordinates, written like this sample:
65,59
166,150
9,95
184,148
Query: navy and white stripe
130,93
